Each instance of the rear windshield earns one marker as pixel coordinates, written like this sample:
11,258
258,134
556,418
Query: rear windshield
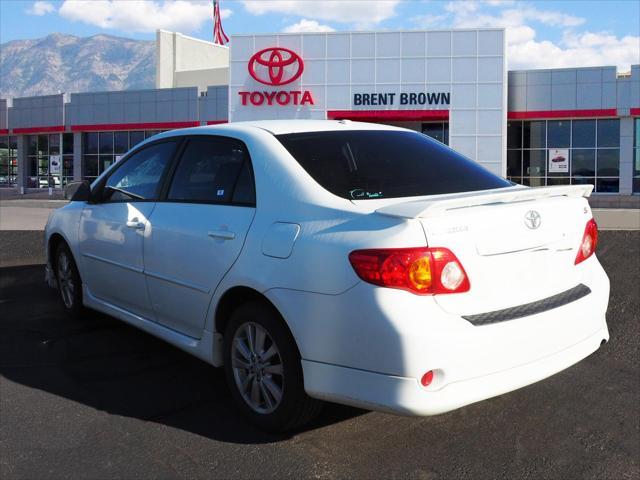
362,165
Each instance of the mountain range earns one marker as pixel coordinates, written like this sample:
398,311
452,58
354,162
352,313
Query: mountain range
66,63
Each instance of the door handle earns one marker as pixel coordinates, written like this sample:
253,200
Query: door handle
222,234
135,223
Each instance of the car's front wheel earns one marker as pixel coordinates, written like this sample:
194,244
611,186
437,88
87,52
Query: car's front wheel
69,283
263,369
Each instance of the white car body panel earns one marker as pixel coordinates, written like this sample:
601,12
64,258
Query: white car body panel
187,251
360,344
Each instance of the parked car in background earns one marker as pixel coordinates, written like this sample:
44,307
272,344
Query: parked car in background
328,260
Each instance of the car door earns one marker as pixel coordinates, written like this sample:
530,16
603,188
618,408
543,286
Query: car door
198,230
113,226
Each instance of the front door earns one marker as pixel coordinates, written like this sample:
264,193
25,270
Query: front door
198,231
112,229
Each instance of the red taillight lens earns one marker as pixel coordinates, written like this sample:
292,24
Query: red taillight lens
425,271
589,242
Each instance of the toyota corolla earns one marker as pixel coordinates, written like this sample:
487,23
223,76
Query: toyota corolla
335,261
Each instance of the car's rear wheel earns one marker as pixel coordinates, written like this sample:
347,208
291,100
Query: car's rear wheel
262,364
69,283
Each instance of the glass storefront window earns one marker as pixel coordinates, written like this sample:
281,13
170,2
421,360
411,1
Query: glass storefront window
514,134
514,163
534,134
135,138
120,142
583,163
559,134
583,133
608,133
8,161
593,145
91,143
437,130
40,149
534,163
608,163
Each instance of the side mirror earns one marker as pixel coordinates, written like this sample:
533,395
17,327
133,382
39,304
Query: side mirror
78,191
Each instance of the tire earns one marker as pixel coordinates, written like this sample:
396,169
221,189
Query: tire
266,370
69,282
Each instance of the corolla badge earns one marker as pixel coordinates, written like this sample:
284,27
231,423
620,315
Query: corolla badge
532,219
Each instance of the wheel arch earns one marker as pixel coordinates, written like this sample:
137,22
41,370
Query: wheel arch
240,295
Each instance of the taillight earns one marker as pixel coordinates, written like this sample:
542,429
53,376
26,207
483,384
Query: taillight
589,242
425,271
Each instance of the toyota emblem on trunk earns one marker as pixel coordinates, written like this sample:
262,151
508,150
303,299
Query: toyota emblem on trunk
532,219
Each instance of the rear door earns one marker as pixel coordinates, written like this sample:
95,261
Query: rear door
198,230
112,228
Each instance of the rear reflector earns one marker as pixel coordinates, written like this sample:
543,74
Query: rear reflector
427,378
424,271
589,242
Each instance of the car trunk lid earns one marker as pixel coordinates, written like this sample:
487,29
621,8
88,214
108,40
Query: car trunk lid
517,245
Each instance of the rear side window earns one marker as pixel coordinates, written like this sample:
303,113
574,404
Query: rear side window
361,165
210,171
139,177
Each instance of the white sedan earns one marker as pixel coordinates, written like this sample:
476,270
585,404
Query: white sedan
328,260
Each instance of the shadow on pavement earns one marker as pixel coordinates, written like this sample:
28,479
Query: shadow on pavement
104,363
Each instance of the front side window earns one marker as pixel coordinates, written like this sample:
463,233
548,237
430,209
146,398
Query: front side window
139,177
362,165
210,171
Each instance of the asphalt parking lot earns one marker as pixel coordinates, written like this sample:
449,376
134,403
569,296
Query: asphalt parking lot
98,399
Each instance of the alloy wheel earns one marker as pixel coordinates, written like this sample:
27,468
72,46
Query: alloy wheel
65,279
257,368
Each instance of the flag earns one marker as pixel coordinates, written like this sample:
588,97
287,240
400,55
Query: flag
219,36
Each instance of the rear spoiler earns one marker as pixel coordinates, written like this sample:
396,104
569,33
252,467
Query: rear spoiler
439,204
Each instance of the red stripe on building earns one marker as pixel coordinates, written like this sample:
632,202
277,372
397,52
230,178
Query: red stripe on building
134,126
388,115
4,131
635,112
216,122
54,129
542,114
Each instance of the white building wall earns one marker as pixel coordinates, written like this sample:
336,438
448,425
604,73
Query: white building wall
469,65
183,61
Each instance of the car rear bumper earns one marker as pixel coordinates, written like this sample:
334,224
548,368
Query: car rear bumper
405,395
369,346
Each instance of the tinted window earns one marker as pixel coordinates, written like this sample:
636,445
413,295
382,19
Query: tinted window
514,134
609,133
364,165
138,178
558,133
245,190
534,134
584,133
208,171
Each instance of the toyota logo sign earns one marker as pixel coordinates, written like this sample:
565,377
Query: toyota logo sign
281,66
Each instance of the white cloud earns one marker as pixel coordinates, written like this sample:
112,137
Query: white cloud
574,49
577,50
362,13
141,15
40,8
304,26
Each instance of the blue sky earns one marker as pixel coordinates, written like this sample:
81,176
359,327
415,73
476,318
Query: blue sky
540,33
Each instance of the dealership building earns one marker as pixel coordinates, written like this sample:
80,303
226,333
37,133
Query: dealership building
535,127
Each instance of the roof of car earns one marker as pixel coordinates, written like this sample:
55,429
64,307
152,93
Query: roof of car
280,127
